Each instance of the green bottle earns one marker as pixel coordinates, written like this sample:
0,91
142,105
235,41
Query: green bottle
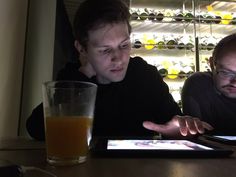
209,18
188,17
160,43
143,14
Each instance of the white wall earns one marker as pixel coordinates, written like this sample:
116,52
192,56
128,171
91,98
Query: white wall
39,55
13,14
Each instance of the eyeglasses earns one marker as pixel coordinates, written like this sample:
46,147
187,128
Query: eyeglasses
226,74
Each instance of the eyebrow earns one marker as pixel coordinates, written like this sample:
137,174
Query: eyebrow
229,70
104,46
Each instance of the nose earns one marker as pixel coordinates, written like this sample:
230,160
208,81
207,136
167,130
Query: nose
116,55
233,79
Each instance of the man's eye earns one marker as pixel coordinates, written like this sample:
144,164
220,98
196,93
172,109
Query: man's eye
226,74
125,46
223,72
106,51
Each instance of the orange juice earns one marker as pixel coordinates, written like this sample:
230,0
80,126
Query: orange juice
66,136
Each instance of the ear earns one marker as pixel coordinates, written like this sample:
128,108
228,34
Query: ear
79,47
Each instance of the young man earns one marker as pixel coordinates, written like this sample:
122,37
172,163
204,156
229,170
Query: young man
132,99
211,96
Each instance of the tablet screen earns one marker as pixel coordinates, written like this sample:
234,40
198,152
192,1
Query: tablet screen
154,145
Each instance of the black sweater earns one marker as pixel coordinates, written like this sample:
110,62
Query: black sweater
121,107
201,99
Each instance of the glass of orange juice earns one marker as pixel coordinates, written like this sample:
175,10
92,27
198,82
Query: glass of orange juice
68,114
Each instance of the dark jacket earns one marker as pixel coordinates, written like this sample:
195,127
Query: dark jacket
201,99
121,107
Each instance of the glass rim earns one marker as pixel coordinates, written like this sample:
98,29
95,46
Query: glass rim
70,81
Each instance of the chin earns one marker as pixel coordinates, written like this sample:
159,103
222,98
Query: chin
230,95
118,79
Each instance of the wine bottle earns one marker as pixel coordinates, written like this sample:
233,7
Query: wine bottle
210,46
173,72
159,15
188,16
160,43
180,45
188,69
168,15
182,74
178,15
211,42
166,64
136,39
134,14
199,17
189,44
180,42
209,17
149,41
150,44
217,19
137,44
143,15
171,42
202,42
206,64
163,72
226,18
233,22
151,14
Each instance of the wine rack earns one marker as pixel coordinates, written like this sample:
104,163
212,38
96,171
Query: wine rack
178,36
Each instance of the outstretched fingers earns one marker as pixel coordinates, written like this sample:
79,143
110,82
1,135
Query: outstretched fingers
192,125
179,125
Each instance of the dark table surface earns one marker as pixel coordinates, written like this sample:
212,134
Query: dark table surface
31,153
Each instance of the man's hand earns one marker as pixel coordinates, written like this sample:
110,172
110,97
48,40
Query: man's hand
179,126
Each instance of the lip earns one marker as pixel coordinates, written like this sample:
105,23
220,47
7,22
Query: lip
231,89
116,70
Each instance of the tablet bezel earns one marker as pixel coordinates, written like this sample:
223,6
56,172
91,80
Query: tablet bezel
99,149
220,139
